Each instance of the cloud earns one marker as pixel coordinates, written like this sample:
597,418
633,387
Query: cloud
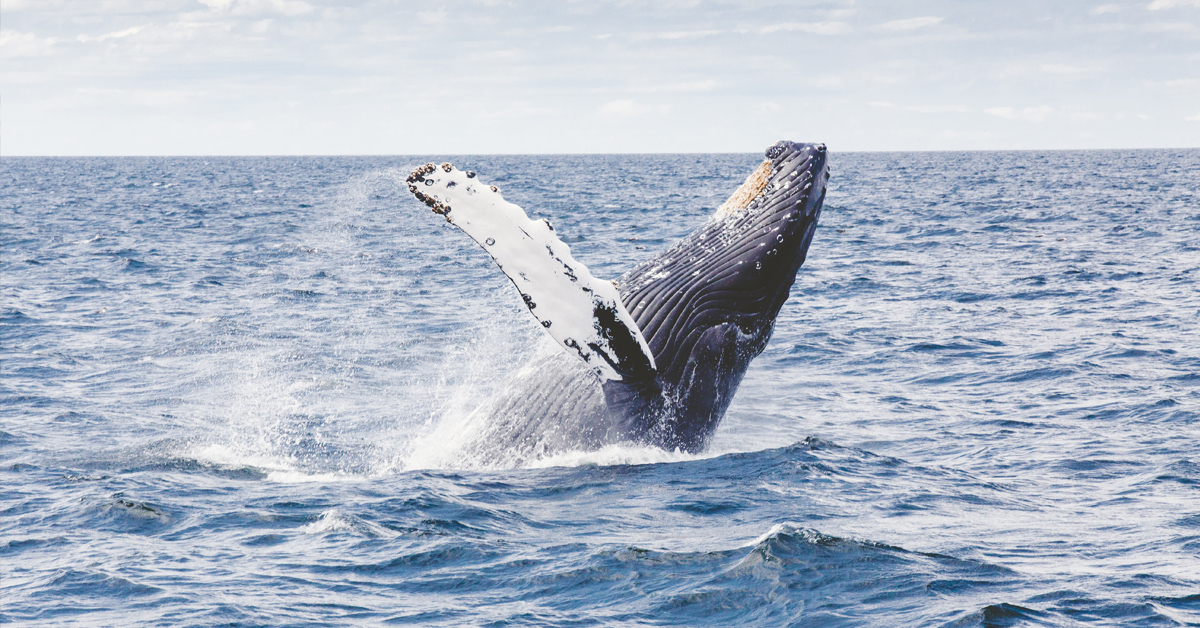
1168,27
676,34
432,17
1031,114
97,96
940,109
883,104
1195,118
628,108
14,45
289,8
816,28
1158,5
133,30
1058,68
910,24
1106,8
706,85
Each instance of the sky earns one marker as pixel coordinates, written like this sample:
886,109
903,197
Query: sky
263,77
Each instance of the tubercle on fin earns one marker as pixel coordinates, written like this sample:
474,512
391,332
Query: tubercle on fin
418,176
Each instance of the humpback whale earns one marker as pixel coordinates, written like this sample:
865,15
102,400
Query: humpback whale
655,357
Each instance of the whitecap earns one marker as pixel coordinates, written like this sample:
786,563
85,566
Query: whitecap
336,520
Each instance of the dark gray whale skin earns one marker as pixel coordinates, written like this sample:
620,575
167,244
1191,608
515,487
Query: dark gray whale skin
706,307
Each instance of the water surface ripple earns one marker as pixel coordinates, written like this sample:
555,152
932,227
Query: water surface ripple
226,385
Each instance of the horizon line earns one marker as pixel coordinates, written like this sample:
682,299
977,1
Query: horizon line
580,154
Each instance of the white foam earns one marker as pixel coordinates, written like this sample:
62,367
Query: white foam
280,469
295,476
226,455
616,455
335,520
786,527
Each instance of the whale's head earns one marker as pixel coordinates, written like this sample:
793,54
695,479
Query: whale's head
707,305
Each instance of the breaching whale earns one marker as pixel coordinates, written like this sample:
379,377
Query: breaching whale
655,357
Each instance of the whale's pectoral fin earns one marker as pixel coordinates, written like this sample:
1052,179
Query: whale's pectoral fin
582,313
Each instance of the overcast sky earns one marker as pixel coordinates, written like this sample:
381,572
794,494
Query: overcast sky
188,77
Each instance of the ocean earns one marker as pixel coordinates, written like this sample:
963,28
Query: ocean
230,387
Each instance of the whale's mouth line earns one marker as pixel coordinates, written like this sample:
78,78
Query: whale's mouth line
750,189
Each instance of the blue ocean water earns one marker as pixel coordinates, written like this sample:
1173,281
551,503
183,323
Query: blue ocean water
230,388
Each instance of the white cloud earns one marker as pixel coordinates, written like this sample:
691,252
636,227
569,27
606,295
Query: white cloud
677,34
432,17
839,14
629,108
133,30
910,24
939,109
1195,118
816,28
184,31
1058,68
1106,8
289,8
98,96
1158,5
14,45
1169,27
706,85
1031,114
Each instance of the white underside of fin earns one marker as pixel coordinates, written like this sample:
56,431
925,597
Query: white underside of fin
583,314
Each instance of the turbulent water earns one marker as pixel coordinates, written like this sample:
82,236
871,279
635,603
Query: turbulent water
232,387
